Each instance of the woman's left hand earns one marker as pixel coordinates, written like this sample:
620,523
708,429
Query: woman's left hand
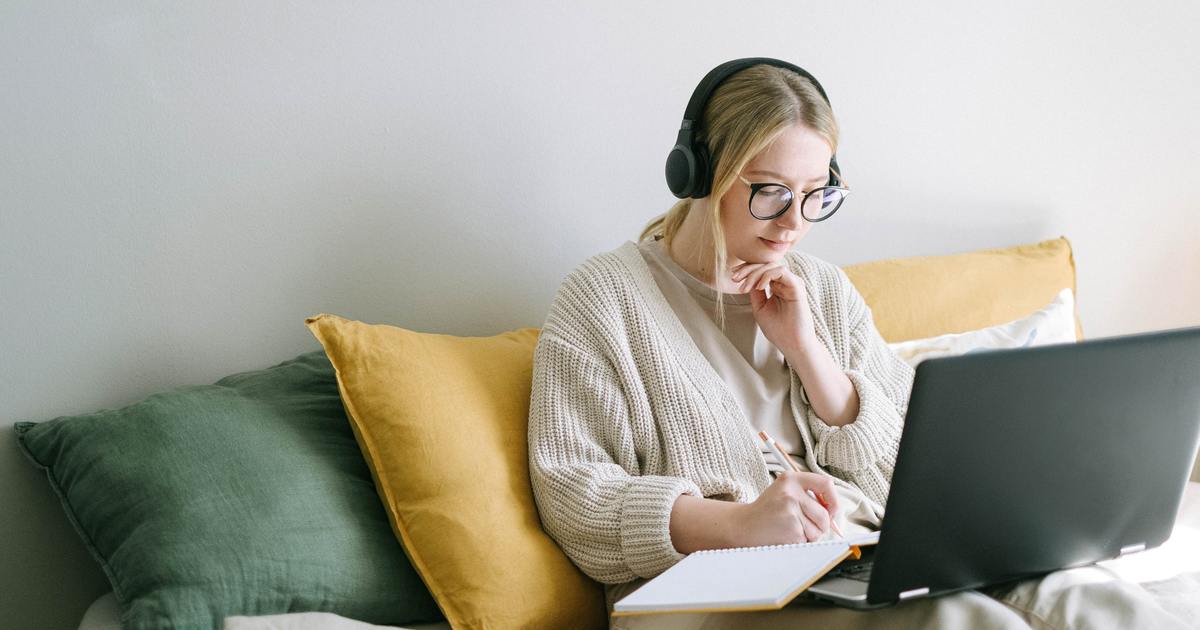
785,318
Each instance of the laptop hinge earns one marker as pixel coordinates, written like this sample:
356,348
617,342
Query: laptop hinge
1132,549
916,592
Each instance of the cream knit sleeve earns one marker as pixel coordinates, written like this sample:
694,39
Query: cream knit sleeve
610,520
864,451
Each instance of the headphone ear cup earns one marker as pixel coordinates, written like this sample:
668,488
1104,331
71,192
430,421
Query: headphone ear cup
703,171
681,169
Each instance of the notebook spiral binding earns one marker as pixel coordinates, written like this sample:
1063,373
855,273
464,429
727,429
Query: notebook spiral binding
823,543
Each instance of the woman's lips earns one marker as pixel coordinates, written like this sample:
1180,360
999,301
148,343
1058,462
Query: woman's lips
774,244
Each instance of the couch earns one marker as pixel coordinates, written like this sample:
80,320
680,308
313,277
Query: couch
383,479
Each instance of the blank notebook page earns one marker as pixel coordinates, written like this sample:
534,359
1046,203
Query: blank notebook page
734,579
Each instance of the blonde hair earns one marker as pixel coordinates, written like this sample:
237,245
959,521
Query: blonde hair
745,114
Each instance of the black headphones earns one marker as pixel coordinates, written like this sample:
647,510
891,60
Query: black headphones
689,171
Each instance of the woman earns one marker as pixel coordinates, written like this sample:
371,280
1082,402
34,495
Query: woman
660,362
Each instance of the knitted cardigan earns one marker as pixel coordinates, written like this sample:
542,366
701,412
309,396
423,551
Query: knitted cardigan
626,414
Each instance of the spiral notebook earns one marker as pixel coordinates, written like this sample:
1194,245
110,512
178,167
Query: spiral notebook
740,579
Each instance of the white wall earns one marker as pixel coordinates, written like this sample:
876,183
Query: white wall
181,184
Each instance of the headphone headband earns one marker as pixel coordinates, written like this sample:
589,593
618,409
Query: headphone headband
689,170
703,91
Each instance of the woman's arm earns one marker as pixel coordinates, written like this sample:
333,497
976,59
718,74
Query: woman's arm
612,521
863,451
830,392
783,513
698,523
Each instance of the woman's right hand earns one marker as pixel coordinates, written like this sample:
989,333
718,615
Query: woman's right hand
786,513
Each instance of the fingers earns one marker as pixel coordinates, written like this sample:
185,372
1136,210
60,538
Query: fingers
814,518
817,498
756,278
827,494
752,277
767,278
793,491
830,499
747,270
811,531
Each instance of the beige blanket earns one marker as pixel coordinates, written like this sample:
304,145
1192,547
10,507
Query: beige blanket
1163,582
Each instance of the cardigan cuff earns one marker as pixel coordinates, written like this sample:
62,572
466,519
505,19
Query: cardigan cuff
869,440
646,522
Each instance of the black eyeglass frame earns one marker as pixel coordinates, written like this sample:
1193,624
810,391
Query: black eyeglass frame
754,188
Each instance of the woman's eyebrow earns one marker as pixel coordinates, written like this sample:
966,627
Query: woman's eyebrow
818,178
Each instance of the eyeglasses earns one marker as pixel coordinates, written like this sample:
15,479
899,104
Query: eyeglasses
770,200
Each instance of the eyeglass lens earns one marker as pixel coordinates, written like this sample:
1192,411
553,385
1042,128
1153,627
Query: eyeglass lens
770,201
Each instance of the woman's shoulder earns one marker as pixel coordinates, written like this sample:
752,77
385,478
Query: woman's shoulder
603,273
604,284
598,297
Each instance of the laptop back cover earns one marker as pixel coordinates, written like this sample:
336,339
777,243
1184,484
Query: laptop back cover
1018,462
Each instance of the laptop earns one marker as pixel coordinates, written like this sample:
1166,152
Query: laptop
1014,463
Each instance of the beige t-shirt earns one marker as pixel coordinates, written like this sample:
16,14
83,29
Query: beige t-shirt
752,367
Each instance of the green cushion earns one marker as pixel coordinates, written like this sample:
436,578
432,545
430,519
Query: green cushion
246,497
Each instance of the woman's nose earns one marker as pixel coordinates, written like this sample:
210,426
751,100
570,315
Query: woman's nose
790,220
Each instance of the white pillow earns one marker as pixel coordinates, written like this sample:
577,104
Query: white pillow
1054,323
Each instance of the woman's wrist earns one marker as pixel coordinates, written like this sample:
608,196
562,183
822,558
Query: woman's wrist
698,523
805,341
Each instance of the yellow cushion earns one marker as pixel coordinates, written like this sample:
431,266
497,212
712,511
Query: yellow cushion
441,421
927,296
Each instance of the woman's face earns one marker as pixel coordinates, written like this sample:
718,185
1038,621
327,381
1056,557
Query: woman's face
799,158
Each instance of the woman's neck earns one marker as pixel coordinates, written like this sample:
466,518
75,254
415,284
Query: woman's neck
692,249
